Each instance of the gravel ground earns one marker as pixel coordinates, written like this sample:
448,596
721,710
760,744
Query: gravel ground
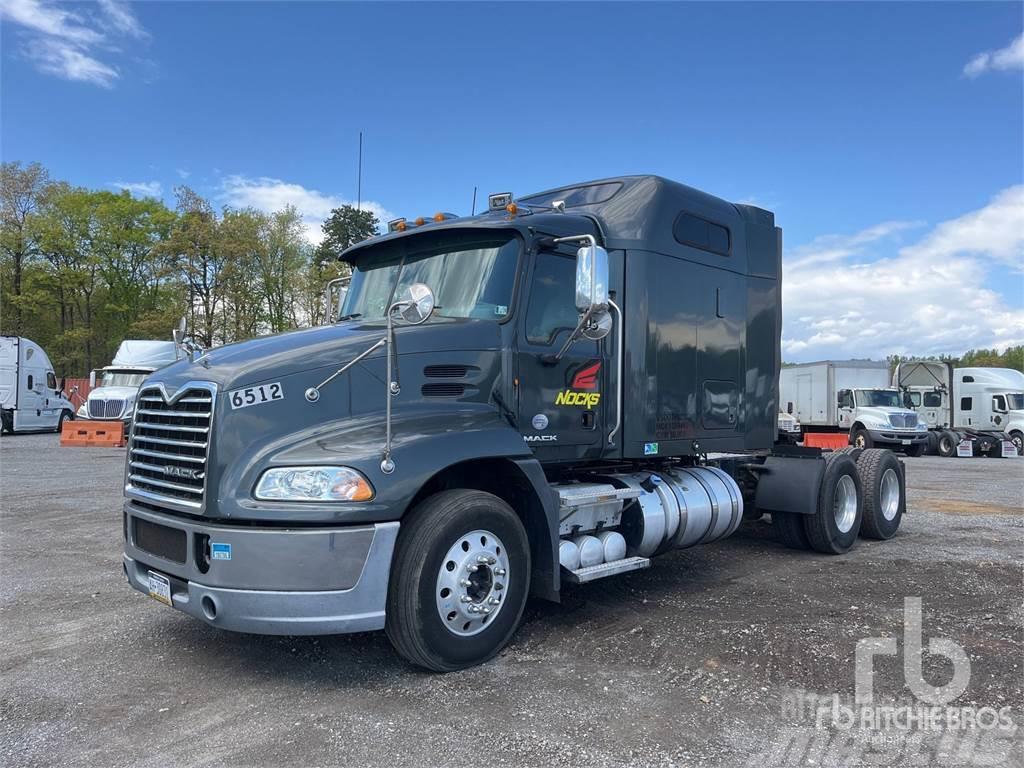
701,660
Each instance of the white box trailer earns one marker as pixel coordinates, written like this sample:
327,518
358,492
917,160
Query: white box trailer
30,397
851,396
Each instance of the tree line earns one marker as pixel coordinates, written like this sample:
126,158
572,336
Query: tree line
1011,357
81,270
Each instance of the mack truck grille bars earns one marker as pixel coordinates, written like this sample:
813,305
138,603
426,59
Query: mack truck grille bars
170,440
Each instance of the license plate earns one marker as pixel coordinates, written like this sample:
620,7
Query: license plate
264,393
905,442
160,587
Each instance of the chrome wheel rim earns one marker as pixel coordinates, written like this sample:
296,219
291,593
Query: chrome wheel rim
844,504
1018,443
859,441
889,494
471,583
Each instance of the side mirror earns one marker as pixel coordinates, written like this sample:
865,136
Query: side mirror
178,334
789,407
591,279
416,305
92,379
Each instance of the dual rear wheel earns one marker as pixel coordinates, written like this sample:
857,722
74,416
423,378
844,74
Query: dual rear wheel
863,492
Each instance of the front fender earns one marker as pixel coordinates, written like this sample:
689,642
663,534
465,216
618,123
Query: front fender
425,440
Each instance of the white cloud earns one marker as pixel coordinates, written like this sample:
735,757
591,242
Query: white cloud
928,299
183,174
140,188
68,44
1010,57
269,195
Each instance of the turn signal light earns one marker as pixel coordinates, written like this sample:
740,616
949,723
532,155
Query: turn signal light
512,208
439,216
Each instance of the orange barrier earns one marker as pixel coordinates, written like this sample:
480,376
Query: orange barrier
92,434
833,440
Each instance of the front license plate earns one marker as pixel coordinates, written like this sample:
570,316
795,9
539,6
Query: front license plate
905,442
160,587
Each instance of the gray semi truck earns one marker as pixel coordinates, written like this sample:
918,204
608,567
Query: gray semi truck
552,392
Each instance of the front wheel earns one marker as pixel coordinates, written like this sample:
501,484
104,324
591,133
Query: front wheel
861,438
948,442
64,416
1017,439
913,451
459,580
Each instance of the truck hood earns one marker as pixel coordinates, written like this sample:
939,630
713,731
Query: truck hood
882,413
271,358
113,393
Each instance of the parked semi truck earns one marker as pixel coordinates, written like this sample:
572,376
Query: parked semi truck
975,410
853,397
508,403
31,398
115,387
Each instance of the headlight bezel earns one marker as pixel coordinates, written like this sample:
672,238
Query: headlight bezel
285,483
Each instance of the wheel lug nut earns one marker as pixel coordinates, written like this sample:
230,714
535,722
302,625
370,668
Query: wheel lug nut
499,586
466,599
485,609
472,568
491,561
494,600
483,560
499,571
465,582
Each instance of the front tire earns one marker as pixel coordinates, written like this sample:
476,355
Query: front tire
885,493
64,416
1017,439
948,442
459,580
834,526
913,451
861,438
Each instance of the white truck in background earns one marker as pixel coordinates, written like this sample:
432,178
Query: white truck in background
853,397
969,411
116,386
31,399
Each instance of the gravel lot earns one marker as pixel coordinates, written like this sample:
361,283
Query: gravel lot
696,661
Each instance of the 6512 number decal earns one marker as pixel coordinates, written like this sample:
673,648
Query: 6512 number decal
264,393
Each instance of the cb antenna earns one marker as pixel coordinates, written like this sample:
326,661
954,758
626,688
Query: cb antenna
359,176
473,212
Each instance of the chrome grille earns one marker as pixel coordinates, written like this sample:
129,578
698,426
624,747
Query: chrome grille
903,420
105,409
169,444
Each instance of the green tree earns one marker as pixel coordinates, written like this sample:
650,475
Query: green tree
21,191
345,227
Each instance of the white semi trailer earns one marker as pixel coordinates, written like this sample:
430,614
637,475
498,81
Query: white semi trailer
853,397
31,399
967,410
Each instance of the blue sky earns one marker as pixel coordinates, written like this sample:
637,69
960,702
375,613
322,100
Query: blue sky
887,137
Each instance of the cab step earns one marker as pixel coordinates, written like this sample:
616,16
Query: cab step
595,572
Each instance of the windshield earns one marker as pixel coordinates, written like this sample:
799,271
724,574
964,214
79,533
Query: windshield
122,378
878,398
470,275
1015,401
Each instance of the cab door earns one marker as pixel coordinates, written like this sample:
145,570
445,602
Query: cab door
845,408
561,405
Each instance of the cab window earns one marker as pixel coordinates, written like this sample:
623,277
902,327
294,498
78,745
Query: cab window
31,382
846,399
51,380
912,399
552,307
932,399
998,403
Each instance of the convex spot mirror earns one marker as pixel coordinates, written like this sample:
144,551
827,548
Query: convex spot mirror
416,305
591,279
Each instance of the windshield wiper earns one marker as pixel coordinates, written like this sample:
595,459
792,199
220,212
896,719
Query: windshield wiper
353,316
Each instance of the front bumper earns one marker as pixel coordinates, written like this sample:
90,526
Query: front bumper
897,437
278,581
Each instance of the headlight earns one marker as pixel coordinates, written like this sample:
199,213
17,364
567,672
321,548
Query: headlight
313,484
83,410
922,427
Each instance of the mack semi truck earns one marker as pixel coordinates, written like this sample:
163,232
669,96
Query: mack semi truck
853,397
970,411
552,392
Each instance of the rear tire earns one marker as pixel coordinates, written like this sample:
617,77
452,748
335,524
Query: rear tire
913,451
947,443
789,527
885,493
6,422
931,446
834,526
440,545
861,438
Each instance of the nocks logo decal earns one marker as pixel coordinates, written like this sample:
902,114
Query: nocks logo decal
582,384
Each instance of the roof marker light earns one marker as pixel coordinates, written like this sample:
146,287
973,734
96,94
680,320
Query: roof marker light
396,225
499,202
